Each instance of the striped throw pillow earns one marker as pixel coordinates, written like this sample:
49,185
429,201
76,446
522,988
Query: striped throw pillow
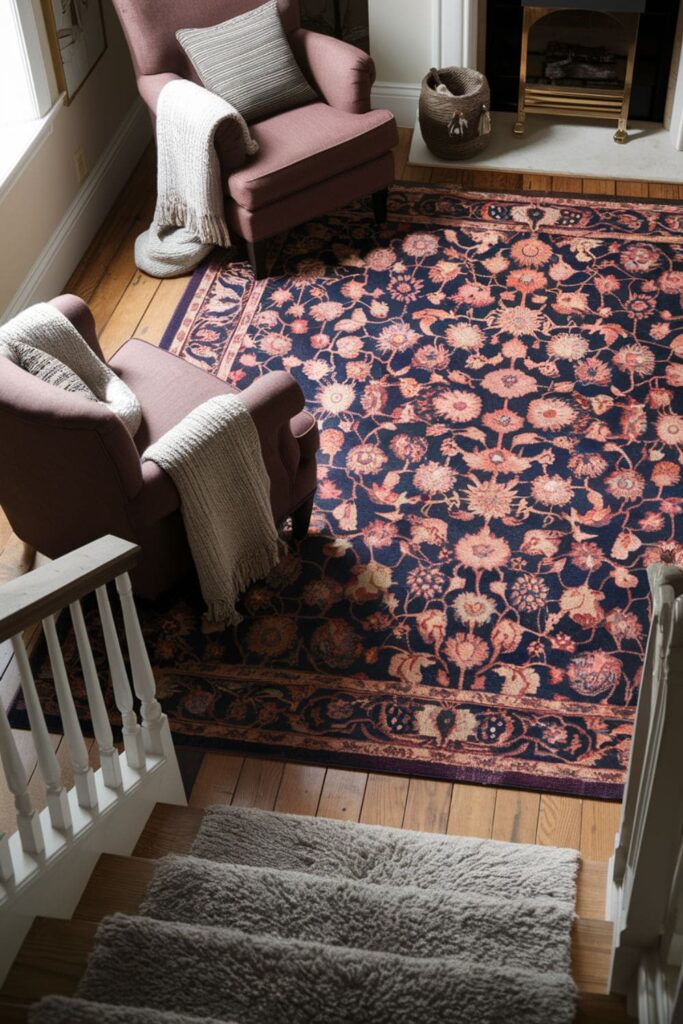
247,61
46,368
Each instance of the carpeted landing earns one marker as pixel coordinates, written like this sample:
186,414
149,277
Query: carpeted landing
279,919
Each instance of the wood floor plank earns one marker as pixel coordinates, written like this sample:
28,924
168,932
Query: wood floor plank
567,183
496,181
537,182
515,819
559,821
216,779
632,188
342,794
599,824
591,890
472,809
300,789
120,272
591,950
258,783
128,313
599,186
384,802
663,190
428,805
156,317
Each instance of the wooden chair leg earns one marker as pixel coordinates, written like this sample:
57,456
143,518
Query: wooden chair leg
258,257
301,519
379,205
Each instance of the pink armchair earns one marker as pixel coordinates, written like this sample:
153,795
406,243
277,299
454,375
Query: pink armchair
312,159
70,472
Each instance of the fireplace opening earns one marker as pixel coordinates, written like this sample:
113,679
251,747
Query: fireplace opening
345,19
582,48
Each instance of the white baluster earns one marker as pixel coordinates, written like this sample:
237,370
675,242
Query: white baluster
6,865
84,778
57,799
143,677
28,822
109,758
132,733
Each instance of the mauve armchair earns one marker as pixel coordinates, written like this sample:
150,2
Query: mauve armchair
312,159
70,472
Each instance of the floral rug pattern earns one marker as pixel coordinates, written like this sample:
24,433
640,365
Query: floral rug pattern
497,384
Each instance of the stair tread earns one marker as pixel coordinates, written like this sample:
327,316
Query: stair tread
597,1009
170,829
591,952
51,960
13,1013
116,886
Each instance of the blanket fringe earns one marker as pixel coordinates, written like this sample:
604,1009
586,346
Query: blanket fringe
209,229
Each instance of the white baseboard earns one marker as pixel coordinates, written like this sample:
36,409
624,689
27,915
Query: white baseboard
398,97
64,250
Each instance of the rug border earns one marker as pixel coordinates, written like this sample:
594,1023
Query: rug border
366,763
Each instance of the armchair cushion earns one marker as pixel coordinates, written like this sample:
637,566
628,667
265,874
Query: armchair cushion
249,63
342,74
303,147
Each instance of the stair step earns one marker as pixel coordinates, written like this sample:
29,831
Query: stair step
170,829
13,1013
51,960
591,951
591,889
602,1010
116,886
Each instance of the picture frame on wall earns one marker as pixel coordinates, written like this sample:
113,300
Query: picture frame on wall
77,40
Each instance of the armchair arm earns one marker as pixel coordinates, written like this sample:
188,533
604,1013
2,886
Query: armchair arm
342,73
229,140
273,400
78,312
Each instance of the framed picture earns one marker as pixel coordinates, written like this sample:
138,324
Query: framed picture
77,40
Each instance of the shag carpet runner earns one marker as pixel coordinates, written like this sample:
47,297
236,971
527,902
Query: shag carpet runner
497,380
303,920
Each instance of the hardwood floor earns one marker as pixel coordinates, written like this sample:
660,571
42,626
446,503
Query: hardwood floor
126,302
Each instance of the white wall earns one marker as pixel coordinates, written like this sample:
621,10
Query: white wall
402,46
47,218
407,37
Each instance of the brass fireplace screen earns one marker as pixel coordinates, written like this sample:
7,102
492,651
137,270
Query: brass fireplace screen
570,77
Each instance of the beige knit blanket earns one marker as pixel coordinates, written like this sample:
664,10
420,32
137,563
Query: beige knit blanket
43,327
189,219
214,458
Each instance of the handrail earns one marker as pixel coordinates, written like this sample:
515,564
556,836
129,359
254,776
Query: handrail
46,590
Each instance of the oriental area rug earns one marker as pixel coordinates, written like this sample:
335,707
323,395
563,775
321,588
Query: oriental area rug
497,382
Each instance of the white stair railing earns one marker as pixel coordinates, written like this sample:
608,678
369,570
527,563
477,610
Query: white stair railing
645,886
45,864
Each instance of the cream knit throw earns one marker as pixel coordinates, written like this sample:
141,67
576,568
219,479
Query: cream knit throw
190,215
214,458
45,328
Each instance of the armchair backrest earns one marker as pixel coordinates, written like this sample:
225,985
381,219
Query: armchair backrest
68,467
150,27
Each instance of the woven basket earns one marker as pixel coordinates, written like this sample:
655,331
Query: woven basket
458,126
